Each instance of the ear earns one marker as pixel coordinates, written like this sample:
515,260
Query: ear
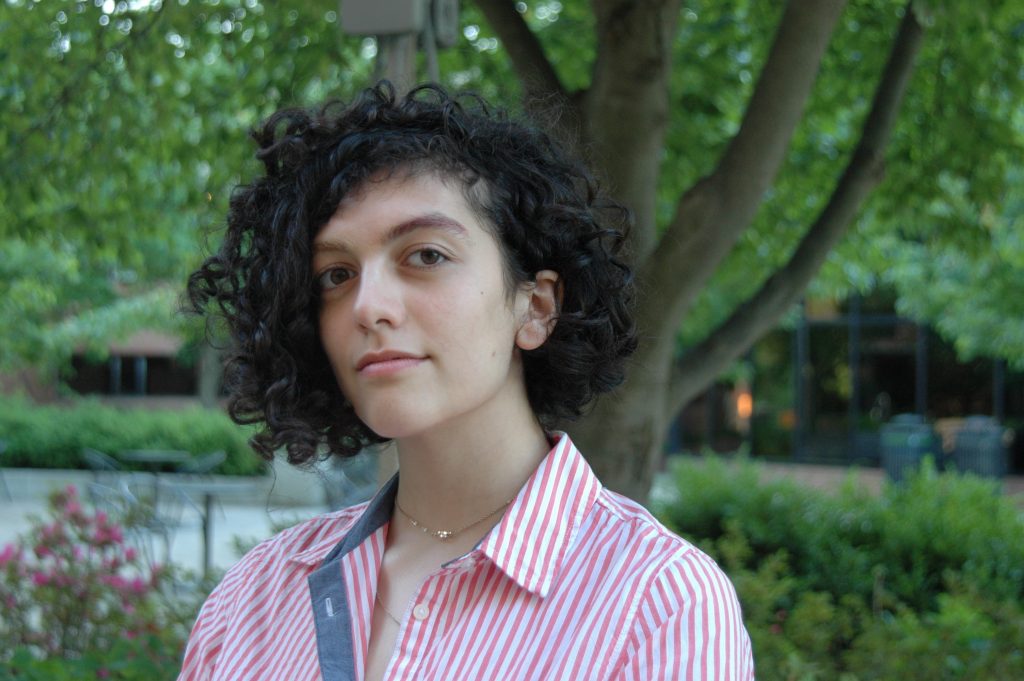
540,301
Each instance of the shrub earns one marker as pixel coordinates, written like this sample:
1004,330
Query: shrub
924,581
78,603
53,436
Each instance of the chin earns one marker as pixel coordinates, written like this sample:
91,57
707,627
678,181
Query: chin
394,425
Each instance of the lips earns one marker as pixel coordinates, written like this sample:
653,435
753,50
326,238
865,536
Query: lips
387,361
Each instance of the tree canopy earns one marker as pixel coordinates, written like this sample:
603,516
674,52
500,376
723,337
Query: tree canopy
761,147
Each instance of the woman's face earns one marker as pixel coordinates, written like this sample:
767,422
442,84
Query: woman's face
415,317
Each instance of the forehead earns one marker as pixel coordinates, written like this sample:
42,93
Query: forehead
388,207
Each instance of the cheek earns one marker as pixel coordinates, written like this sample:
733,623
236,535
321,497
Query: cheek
332,336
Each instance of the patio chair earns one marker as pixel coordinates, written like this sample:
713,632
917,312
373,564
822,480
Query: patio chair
134,518
204,464
144,524
102,465
200,468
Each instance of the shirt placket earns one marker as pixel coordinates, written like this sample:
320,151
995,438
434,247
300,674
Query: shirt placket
422,626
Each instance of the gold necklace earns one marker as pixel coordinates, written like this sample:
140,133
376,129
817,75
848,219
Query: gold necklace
445,535
388,612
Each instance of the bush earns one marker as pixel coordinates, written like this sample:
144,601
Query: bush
53,436
924,581
79,604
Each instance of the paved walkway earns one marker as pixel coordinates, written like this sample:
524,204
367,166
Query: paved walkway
831,478
250,518
295,496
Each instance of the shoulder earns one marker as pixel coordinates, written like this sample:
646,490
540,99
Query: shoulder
268,580
688,613
306,543
280,564
635,525
675,561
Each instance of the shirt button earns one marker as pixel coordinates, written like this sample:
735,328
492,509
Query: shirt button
421,612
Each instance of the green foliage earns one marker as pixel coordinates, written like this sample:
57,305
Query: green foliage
53,436
941,197
968,637
53,298
144,658
924,581
79,604
126,128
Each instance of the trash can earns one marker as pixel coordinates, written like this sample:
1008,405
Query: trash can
980,447
905,440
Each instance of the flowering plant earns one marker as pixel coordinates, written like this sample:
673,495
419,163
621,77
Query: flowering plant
72,588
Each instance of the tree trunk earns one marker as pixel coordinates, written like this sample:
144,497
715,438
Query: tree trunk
210,369
627,105
624,436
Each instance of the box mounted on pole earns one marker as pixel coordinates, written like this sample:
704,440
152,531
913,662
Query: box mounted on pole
397,17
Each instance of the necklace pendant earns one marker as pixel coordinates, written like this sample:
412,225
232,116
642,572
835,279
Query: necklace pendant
443,534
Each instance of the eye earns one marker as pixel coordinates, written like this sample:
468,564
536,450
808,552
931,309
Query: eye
427,257
333,278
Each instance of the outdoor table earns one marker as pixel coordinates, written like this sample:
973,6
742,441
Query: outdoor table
154,460
209,490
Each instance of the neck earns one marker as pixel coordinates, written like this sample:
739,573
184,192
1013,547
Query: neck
450,479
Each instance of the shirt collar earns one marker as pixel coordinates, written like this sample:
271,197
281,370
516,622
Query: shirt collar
533,537
530,542
376,514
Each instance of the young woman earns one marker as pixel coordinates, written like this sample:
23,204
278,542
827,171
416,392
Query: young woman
420,270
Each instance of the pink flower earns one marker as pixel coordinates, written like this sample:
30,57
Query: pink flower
116,581
108,534
40,578
138,585
156,574
42,551
102,673
7,554
53,533
130,554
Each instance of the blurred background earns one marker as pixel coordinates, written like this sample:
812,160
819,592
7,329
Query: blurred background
828,239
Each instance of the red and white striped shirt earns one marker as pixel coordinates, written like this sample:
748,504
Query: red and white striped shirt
575,582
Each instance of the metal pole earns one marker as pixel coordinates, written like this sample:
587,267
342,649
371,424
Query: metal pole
921,371
396,60
800,367
999,390
853,408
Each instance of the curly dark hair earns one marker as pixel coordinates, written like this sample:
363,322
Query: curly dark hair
543,207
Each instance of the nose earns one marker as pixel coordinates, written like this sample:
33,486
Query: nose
379,300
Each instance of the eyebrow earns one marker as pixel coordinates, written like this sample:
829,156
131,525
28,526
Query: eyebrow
432,220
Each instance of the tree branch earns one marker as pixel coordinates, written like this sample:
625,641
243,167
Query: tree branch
74,84
863,172
544,95
627,104
711,215
537,75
